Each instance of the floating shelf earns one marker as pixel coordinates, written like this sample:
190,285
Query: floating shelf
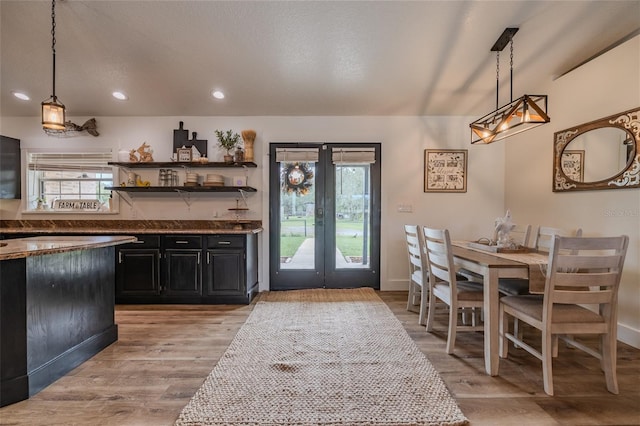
169,164
150,189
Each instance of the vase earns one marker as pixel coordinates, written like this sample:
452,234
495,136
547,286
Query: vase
248,150
228,158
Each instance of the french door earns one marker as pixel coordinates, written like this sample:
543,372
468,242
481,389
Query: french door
324,215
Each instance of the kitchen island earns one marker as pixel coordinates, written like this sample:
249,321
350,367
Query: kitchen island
56,308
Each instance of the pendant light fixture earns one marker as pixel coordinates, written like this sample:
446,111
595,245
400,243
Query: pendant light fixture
517,116
53,116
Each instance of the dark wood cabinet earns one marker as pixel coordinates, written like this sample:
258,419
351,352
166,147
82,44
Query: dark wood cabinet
220,268
138,269
182,272
225,272
231,267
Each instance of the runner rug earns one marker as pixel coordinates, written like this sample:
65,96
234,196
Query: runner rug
322,357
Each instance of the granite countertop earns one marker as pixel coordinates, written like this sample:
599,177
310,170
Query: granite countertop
35,246
94,227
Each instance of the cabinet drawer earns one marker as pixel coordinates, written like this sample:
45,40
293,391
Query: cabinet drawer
225,241
144,241
182,241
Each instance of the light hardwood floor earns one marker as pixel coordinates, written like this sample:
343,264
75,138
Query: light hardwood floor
165,352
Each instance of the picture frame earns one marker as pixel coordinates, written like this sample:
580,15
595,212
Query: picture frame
445,170
573,164
184,155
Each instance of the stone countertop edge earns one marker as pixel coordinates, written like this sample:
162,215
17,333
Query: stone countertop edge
36,246
102,231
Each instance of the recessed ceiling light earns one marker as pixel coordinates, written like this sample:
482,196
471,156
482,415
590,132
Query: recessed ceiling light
217,94
21,96
120,96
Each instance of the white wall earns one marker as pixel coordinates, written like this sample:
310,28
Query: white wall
467,215
605,86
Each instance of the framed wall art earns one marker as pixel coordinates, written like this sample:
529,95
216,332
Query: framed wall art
445,170
573,164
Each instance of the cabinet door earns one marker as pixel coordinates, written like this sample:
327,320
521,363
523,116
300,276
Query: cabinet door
137,272
225,272
182,272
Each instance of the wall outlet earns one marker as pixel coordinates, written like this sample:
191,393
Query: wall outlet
405,208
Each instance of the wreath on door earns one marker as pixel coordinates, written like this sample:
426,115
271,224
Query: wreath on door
296,178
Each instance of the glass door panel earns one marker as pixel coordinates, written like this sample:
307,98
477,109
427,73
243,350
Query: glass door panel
324,216
297,216
352,230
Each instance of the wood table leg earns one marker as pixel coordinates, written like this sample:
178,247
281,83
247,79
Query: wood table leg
491,300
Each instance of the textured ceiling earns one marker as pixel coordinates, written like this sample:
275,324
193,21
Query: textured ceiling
294,57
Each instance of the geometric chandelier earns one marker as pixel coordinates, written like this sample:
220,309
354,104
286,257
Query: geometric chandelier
517,116
53,116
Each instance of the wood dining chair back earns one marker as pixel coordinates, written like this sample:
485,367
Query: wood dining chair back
581,273
445,285
542,242
418,273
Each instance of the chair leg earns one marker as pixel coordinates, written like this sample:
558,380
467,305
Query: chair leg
453,326
431,312
517,331
609,354
424,300
503,329
412,289
547,361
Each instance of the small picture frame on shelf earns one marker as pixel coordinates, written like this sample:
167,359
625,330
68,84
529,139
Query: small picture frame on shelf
184,155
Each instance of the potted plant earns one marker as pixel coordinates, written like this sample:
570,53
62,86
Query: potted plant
227,141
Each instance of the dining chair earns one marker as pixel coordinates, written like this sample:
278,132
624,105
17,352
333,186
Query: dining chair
445,286
541,243
418,273
581,271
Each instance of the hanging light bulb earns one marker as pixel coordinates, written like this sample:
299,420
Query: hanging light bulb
53,111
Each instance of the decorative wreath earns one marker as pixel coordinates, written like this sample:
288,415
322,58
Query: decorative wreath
296,178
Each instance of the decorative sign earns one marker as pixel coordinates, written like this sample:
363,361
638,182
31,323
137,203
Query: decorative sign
82,205
184,154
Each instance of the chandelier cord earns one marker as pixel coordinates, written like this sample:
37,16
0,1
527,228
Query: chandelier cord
511,68
497,77
53,44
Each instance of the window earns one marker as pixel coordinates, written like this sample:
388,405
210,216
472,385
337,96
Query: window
69,182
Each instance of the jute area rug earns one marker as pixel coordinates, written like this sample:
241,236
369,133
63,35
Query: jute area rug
322,357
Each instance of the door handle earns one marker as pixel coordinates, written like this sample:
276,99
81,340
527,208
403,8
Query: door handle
320,212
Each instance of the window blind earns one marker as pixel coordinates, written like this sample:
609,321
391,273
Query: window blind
87,162
302,155
353,155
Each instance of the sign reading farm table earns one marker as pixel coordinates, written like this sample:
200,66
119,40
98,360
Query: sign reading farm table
80,205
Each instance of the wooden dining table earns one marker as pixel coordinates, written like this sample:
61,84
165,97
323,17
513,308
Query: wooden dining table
492,266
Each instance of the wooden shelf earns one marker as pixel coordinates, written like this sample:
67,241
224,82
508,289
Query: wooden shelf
169,164
150,189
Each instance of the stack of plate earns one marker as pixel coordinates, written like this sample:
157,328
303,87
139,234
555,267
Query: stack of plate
214,180
192,179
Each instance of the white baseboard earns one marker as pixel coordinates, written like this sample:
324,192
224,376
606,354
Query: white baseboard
395,285
629,335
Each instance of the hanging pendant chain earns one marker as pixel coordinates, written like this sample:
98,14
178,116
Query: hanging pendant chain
53,26
497,77
511,58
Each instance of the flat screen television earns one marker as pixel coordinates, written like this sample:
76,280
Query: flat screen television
9,167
